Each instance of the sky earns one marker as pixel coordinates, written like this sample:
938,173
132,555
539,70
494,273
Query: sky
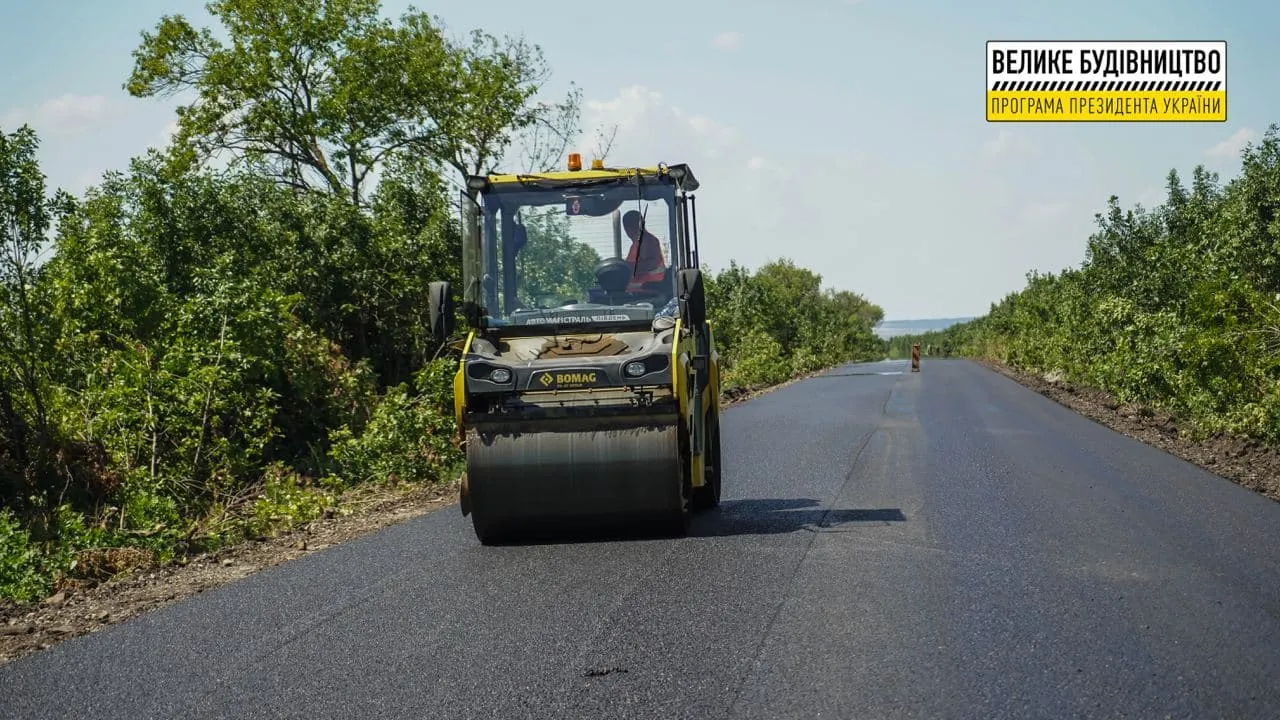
848,136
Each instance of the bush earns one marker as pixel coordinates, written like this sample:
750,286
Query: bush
1177,307
408,438
23,576
778,322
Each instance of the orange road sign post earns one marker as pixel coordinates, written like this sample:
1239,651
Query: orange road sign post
915,358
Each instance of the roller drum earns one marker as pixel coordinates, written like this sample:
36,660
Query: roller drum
534,481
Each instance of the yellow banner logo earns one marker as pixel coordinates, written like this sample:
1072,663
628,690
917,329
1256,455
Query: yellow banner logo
1100,81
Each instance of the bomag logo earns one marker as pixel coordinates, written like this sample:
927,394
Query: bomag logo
566,379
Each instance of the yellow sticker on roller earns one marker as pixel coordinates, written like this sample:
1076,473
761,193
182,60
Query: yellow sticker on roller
565,379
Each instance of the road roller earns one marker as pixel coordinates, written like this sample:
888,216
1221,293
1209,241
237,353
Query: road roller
588,387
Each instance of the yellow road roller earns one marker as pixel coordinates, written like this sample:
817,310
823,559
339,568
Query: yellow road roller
588,390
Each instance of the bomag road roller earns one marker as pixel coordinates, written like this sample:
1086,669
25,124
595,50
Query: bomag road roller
588,391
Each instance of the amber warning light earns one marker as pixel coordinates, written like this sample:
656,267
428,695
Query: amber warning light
575,161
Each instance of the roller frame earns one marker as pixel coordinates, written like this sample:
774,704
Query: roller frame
612,448
585,484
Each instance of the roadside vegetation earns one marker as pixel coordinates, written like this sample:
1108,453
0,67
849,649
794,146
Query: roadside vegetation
229,337
1175,308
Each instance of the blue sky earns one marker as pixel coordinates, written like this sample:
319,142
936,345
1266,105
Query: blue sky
847,135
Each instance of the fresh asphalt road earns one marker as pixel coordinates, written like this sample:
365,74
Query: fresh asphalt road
944,544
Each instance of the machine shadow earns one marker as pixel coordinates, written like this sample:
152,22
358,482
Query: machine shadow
763,516
774,516
886,373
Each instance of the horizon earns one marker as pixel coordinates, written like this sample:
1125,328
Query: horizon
931,319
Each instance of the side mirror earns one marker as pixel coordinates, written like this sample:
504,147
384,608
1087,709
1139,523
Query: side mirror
441,311
693,299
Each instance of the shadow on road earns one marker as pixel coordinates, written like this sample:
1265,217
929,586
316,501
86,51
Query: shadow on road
733,517
857,374
771,516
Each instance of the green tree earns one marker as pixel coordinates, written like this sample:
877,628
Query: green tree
779,321
318,94
26,431
553,263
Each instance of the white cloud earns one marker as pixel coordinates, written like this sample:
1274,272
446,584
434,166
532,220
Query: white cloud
1038,212
624,108
716,136
740,214
648,124
64,115
1006,143
1232,146
730,40
171,129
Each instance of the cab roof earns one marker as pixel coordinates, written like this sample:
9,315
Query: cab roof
678,173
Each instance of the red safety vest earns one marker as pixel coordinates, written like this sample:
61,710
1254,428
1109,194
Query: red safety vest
650,266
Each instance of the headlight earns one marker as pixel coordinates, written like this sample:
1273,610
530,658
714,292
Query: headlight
634,368
500,375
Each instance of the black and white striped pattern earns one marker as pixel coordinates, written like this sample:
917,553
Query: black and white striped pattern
1111,85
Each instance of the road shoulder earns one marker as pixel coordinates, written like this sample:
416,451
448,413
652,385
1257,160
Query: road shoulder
1246,462
25,629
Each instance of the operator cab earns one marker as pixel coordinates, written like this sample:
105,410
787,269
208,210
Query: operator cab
597,249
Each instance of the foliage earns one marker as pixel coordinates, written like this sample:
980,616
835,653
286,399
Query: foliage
27,438
214,336
778,322
408,438
1177,307
553,263
22,575
287,499
211,354
317,93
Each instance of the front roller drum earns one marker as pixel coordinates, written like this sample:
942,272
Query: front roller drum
556,480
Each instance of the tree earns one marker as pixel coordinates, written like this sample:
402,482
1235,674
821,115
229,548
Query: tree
490,101
554,263
778,321
25,218
604,141
319,94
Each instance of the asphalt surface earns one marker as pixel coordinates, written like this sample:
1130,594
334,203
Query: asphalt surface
945,544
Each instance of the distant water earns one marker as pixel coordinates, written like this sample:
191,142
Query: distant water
894,328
